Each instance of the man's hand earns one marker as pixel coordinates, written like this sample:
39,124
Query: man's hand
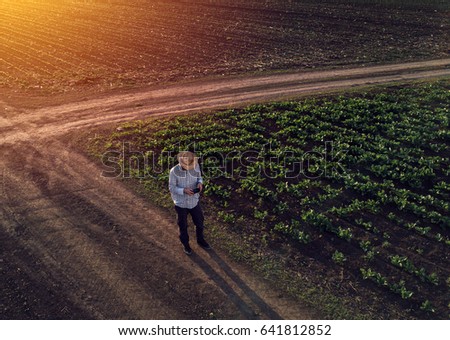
200,186
188,191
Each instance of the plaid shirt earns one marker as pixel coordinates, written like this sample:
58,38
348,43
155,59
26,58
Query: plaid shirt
179,179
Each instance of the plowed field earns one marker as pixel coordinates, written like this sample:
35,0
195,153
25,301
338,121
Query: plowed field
61,45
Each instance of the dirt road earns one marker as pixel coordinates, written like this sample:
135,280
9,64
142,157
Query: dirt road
78,245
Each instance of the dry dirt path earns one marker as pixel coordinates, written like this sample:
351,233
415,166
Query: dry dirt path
77,245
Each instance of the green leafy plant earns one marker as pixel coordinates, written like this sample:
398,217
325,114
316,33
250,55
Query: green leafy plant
338,258
427,307
226,217
260,215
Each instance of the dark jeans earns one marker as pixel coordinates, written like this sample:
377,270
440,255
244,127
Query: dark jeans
197,218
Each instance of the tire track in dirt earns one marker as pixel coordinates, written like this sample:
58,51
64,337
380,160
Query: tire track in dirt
84,246
206,95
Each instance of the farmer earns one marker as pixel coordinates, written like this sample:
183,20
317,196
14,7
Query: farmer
185,185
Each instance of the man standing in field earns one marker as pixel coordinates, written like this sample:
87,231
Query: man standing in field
185,185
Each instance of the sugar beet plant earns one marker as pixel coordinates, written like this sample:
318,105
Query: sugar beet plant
361,181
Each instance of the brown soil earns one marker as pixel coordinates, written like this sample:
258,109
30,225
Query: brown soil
78,245
62,46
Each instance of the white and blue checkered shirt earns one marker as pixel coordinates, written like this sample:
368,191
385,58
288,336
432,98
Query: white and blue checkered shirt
179,179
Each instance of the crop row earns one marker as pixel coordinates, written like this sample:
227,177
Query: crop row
304,171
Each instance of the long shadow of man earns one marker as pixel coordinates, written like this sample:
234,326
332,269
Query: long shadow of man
243,306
